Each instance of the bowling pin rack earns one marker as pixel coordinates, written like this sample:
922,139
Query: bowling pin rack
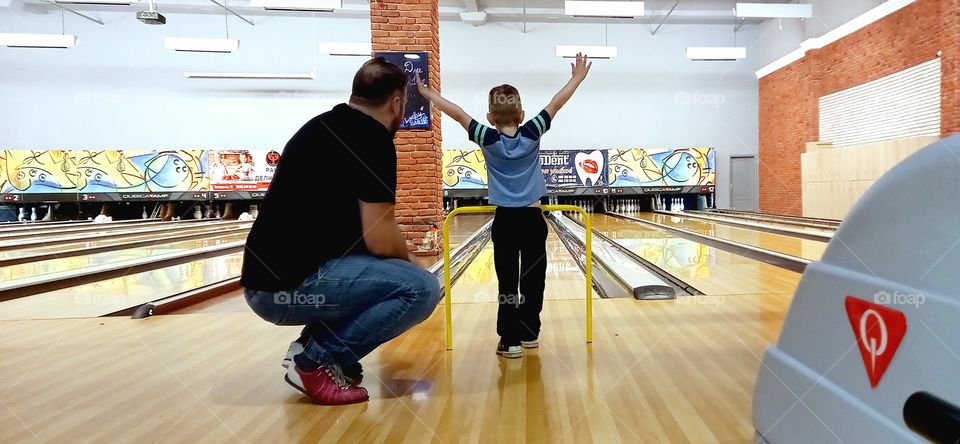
447,301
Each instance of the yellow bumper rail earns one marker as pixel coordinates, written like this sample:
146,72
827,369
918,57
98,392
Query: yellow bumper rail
448,305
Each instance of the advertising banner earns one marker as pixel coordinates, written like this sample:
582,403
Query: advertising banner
646,167
574,168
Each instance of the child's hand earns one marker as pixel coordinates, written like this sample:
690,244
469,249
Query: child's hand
422,87
581,67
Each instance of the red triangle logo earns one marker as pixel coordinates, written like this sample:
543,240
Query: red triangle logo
878,331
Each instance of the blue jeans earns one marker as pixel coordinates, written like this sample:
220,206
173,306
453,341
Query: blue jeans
352,305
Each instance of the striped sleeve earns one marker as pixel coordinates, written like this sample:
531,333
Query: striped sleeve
537,126
482,135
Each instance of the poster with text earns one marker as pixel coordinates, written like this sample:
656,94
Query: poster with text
417,113
241,170
574,168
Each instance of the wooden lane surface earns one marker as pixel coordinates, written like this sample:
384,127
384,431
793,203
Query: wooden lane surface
110,295
710,270
794,246
461,228
658,371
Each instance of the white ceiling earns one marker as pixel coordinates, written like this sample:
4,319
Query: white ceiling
702,12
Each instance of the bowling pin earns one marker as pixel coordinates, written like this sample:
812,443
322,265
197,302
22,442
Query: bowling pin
254,211
143,215
49,216
681,205
33,213
197,213
23,214
217,213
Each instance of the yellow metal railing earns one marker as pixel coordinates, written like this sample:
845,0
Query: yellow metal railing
448,304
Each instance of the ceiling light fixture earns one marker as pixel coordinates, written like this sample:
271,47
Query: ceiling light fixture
298,5
201,45
592,52
774,10
717,54
250,75
610,9
38,40
364,49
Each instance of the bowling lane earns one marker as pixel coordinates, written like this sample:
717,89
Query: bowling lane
461,227
710,270
771,222
33,269
134,237
111,295
95,228
565,280
794,246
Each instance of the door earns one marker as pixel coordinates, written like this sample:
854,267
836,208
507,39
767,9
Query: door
743,183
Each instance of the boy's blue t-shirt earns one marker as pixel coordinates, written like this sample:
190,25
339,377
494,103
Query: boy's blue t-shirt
513,163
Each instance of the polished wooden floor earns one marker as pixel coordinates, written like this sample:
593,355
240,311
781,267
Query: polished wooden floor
669,371
657,371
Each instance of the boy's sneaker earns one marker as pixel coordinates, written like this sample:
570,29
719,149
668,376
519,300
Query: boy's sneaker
513,351
530,344
354,372
325,386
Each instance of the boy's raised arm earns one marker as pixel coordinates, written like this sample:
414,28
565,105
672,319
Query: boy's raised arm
447,107
579,72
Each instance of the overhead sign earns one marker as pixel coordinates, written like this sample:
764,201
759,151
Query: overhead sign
878,331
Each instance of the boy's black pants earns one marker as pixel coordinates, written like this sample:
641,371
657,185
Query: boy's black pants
520,257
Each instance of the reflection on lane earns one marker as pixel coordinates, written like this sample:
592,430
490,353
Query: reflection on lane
56,248
111,295
712,271
31,269
794,246
565,280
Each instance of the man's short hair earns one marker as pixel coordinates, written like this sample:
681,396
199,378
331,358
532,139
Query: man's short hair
505,105
377,81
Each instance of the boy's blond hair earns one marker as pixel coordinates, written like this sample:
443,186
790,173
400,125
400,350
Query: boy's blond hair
505,107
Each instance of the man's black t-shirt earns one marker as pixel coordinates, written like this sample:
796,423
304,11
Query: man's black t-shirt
311,211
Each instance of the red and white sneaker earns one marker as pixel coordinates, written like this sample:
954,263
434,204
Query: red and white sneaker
326,385
353,373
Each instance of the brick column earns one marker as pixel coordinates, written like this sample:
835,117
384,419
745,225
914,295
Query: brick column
413,25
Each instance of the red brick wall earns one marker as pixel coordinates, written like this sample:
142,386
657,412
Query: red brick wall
789,97
413,25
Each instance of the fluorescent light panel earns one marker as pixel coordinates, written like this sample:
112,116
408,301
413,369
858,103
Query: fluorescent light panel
201,45
38,40
721,53
615,9
298,5
774,10
249,75
346,48
592,52
96,2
